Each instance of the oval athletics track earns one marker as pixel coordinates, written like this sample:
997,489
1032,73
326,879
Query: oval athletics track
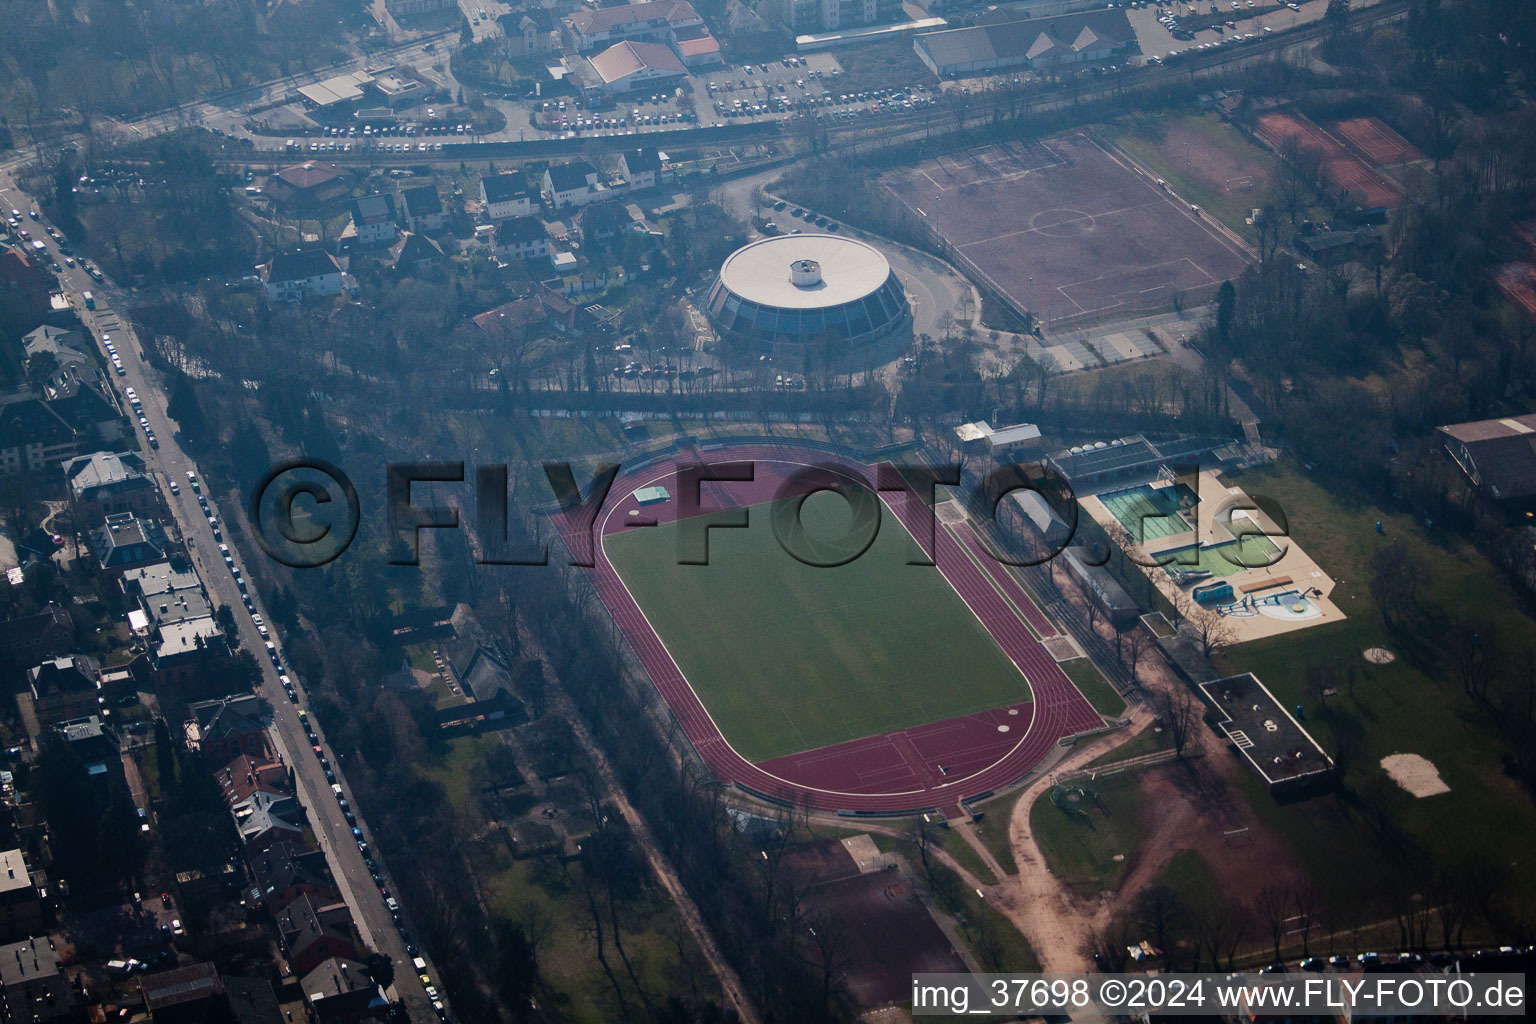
934,765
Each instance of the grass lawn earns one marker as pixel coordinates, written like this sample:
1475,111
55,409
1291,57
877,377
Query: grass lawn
1157,144
543,890
993,829
1187,874
788,657
1080,849
452,766
966,856
1414,705
1149,742
1091,682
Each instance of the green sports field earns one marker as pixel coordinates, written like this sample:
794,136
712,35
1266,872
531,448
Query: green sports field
789,657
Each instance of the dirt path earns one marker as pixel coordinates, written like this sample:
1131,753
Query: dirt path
1052,918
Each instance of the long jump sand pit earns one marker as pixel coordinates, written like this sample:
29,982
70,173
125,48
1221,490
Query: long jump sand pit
1066,229
1416,774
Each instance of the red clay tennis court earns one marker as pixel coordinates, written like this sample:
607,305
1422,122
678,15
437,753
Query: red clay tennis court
1345,171
936,764
1379,144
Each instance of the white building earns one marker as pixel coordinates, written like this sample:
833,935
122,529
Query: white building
373,218
626,66
590,28
521,238
507,195
641,168
572,184
296,276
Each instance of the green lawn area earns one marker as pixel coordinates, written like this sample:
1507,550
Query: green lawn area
1189,876
1155,143
1149,742
452,767
542,889
1091,682
966,856
789,657
993,829
1415,705
1080,849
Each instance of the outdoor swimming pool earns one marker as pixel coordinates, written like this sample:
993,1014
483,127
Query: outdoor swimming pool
1250,551
1151,513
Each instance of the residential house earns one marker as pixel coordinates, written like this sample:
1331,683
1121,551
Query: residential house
64,348
809,16
21,909
33,987
245,776
79,398
125,541
339,991
285,871
29,638
572,184
64,689
592,27
265,819
105,484
313,933
170,608
373,219
423,208
521,238
529,32
1333,248
601,222
97,747
414,253
221,730
187,995
24,287
507,195
296,276
641,168
33,436
313,189
512,319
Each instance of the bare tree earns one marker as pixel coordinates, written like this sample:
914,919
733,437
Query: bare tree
1177,709
1274,905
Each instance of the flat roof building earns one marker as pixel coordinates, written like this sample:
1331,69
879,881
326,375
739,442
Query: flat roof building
1284,754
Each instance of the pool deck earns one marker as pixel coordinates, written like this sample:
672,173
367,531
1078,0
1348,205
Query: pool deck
1216,509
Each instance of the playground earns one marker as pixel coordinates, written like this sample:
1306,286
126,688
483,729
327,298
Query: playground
1223,551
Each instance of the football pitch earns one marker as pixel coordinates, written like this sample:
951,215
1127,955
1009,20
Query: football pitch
789,657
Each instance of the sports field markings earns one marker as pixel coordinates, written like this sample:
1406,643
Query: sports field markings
719,735
1035,230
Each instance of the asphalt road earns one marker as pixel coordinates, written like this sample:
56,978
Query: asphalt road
353,879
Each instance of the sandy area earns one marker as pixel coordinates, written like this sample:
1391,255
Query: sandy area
1416,774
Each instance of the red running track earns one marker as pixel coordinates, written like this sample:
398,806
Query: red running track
933,765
